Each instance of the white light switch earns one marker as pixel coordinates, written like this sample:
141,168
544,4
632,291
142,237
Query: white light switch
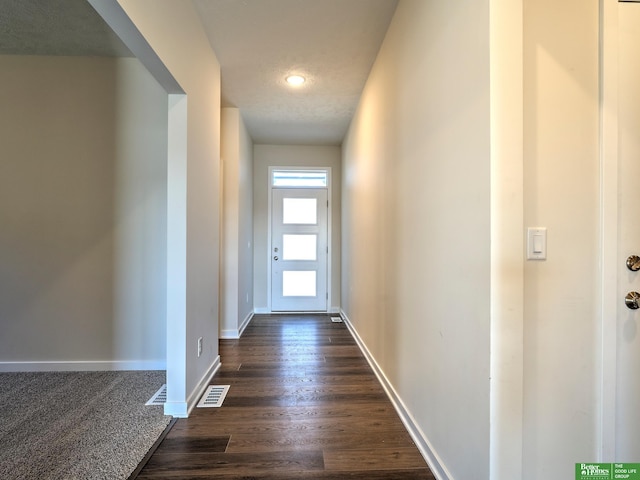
536,243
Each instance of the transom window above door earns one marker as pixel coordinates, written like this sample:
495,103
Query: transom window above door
299,178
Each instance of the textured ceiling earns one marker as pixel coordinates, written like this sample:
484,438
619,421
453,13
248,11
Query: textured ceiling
56,27
332,43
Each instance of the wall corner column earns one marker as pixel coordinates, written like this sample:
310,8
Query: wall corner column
176,404
507,240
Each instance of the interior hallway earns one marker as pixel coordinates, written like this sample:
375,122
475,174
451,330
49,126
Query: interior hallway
303,403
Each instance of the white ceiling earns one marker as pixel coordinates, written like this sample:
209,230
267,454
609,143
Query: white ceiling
333,43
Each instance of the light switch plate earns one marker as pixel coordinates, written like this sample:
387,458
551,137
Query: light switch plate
536,243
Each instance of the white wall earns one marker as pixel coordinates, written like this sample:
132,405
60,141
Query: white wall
266,156
83,214
561,192
236,297
416,231
416,224
174,32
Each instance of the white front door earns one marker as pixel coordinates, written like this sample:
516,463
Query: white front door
299,249
628,322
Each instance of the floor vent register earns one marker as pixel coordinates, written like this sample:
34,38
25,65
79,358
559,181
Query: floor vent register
213,396
160,397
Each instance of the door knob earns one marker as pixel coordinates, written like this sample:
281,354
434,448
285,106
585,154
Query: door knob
276,259
633,263
632,300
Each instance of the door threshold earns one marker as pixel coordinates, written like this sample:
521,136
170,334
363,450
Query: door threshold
300,312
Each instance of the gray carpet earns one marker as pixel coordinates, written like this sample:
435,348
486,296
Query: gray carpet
77,425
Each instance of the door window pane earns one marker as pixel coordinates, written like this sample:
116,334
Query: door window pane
298,283
299,247
299,211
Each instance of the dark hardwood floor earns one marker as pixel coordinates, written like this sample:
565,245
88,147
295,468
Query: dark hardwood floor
303,404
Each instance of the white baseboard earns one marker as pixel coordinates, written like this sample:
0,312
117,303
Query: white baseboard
334,310
183,409
261,310
422,442
176,409
197,392
79,366
235,333
229,334
245,323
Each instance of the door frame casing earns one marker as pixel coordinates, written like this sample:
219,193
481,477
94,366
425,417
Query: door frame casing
609,167
270,189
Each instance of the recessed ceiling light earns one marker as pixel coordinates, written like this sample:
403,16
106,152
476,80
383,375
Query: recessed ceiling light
295,80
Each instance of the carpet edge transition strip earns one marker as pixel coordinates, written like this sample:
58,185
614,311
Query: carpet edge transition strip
152,450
